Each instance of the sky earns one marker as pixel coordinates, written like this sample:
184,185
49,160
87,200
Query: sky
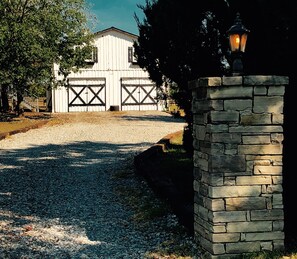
115,13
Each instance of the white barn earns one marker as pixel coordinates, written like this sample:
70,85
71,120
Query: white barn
113,81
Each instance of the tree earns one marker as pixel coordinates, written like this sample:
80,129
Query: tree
181,41
35,34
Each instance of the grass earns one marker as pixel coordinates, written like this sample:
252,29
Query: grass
10,122
148,209
177,165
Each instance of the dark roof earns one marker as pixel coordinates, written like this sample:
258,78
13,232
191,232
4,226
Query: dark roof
118,30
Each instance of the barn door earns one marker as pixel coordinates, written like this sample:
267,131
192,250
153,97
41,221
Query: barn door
139,95
86,97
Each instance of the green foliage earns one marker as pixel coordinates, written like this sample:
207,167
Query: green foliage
175,40
182,41
35,34
36,91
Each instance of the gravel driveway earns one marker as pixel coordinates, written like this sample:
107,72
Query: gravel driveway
58,187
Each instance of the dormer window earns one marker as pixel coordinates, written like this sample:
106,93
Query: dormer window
131,57
93,56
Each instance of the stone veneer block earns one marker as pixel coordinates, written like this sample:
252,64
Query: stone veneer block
230,92
250,203
268,170
278,235
260,149
256,139
212,247
253,180
214,204
227,163
207,105
266,80
238,105
278,225
252,226
232,80
243,247
234,191
224,116
256,129
210,81
260,90
238,135
277,118
255,119
228,216
210,228
276,90
225,237
227,137
216,128
273,214
270,104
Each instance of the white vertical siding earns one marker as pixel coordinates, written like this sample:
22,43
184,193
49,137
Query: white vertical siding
60,99
112,65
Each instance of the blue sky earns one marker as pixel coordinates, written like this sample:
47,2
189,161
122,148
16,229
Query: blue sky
116,13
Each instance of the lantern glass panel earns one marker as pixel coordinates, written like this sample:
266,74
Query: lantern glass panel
243,42
234,42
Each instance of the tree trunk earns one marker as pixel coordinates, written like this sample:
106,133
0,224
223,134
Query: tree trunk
19,100
4,98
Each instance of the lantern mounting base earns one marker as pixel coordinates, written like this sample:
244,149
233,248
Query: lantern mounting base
237,66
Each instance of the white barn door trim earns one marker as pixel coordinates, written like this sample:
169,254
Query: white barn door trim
87,95
138,94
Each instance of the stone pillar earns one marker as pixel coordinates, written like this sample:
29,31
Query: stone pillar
238,134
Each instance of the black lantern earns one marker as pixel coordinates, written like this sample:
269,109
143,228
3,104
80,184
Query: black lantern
237,39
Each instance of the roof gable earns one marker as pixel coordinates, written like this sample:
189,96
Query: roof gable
114,29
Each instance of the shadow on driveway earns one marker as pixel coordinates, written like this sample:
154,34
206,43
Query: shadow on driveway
59,201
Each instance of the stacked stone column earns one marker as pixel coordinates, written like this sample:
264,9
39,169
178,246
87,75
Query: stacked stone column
238,134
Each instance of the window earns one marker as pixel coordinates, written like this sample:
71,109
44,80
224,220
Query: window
94,56
131,57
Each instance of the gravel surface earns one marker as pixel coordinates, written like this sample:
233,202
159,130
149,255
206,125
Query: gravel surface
59,187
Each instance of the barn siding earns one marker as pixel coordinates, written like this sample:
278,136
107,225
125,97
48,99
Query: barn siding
112,65
60,100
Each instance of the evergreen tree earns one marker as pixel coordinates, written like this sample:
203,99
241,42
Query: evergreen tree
183,40
180,41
